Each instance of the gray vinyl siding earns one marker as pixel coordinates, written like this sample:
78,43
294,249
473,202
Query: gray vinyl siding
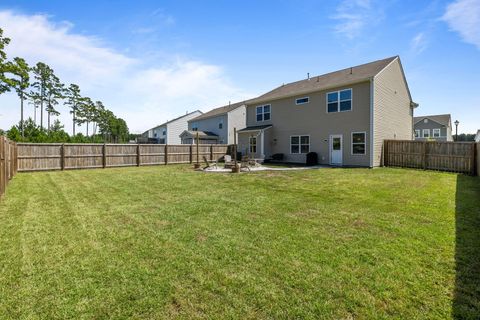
175,128
237,118
312,119
445,132
211,125
393,115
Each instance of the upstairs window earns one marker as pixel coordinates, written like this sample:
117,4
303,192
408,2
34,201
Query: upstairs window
220,125
263,113
299,144
164,132
339,101
436,133
426,133
302,100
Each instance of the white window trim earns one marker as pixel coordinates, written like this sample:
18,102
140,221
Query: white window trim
439,133
339,100
297,103
263,113
365,143
299,143
417,133
428,133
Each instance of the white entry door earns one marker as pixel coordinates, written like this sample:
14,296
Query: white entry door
336,149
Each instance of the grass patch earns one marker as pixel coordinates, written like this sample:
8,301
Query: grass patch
166,242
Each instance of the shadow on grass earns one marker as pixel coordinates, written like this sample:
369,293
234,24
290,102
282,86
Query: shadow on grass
466,301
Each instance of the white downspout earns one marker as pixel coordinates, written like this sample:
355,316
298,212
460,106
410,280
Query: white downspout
262,153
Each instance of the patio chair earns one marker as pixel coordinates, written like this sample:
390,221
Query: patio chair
228,161
209,163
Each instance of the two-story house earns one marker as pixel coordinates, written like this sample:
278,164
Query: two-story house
343,116
217,125
435,127
168,132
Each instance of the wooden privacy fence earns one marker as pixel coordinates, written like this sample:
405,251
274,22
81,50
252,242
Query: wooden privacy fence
8,162
57,156
433,155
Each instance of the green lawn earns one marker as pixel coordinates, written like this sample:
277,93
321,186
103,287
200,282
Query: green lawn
167,242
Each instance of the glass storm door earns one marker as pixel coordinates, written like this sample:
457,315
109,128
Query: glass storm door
336,149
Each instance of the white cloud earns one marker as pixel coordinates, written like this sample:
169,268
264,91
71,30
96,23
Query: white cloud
463,16
419,43
353,16
144,94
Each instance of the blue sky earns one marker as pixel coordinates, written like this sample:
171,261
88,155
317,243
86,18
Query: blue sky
150,61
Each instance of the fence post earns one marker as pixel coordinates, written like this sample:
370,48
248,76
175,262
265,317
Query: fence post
166,154
191,154
211,152
15,158
2,171
62,156
138,155
474,160
104,155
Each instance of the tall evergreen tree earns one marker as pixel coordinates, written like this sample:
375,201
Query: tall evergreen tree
42,74
21,82
5,82
54,93
74,101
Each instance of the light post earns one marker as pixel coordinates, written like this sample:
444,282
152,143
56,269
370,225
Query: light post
456,129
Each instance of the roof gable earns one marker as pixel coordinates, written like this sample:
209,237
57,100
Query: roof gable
338,78
443,119
219,111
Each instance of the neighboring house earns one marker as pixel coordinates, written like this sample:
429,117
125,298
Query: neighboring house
169,132
435,127
343,116
217,125
204,137
477,137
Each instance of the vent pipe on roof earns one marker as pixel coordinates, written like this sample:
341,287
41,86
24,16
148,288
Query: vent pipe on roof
308,75
351,70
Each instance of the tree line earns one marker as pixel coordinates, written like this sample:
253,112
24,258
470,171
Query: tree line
39,86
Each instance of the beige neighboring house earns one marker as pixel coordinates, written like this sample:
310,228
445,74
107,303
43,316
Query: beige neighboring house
434,127
217,125
343,116
168,132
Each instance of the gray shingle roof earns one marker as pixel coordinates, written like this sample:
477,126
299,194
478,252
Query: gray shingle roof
201,134
325,81
177,118
253,128
443,119
218,111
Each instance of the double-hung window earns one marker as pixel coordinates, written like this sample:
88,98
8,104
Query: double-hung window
263,113
417,133
299,144
426,133
358,142
339,101
436,133
252,144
